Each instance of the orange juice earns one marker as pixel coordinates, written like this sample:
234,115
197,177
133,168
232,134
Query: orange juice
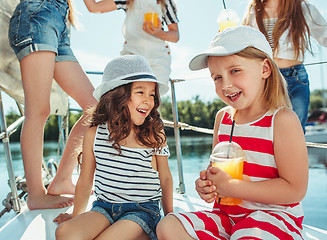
227,18
226,24
151,17
234,167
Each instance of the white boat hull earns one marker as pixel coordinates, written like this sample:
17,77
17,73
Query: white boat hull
316,137
38,224
316,133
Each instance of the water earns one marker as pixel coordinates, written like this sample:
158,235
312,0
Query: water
196,151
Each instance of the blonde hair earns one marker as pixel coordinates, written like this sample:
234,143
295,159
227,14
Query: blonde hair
290,16
275,92
71,17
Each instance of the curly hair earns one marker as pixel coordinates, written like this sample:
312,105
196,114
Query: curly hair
113,110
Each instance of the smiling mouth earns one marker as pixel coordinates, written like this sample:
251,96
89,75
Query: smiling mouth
142,111
233,96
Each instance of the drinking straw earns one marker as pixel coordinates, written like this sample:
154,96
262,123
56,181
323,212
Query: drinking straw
231,131
230,137
230,140
224,4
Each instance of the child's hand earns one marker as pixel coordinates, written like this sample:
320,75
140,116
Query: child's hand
149,28
220,180
205,188
63,217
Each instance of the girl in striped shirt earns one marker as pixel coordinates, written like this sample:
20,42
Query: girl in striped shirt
126,156
145,38
276,168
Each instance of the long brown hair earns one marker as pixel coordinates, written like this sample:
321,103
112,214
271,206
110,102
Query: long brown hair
290,16
113,110
275,92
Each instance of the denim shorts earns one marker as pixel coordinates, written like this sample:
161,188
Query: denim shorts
298,89
146,214
41,25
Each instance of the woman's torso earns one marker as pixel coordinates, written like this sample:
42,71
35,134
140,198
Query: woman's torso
135,36
286,63
269,22
133,25
285,57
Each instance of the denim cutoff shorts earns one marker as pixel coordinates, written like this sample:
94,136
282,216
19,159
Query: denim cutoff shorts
41,25
146,214
298,90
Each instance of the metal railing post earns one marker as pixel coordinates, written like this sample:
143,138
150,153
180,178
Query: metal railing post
5,141
177,138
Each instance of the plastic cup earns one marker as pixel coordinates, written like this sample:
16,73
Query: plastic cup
227,18
226,24
151,17
229,157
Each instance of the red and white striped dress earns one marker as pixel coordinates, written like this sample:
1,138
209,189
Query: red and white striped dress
249,220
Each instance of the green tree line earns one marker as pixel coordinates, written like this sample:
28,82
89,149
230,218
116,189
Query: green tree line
194,112
51,129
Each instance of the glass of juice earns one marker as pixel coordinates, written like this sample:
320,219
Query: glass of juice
226,23
229,157
227,18
151,17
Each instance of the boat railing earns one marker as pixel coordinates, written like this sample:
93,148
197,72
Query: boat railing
5,133
13,200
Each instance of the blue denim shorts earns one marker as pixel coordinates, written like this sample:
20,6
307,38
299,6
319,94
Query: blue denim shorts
298,89
146,214
41,25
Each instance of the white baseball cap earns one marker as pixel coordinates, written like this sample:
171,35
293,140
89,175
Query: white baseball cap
126,69
230,41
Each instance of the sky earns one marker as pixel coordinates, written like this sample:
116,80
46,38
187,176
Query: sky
100,39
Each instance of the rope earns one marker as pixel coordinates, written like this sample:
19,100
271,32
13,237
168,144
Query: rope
316,145
185,126
315,63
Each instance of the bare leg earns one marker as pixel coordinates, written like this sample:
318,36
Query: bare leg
124,230
37,73
88,225
72,79
170,228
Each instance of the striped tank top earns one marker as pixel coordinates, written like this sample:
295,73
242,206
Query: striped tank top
128,177
269,24
256,139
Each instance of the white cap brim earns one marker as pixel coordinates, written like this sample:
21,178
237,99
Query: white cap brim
230,41
200,61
